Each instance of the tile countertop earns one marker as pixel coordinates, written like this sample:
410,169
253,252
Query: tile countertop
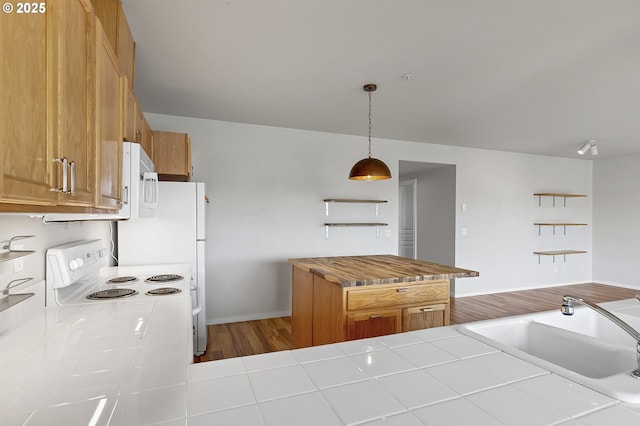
128,363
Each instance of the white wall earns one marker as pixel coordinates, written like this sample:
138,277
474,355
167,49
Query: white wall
46,235
267,185
616,236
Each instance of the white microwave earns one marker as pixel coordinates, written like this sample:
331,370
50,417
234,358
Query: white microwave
139,190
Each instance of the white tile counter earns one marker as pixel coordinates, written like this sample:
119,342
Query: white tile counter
127,363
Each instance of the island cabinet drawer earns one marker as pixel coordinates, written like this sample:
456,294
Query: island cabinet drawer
383,296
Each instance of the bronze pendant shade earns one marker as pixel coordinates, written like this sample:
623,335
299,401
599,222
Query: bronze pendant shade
370,168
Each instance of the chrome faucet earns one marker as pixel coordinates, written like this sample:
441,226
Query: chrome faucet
567,309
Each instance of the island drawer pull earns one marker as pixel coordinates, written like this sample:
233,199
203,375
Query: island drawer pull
427,309
375,316
402,290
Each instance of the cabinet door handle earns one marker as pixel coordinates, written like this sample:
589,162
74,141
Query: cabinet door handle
402,290
72,166
427,309
125,195
65,165
375,316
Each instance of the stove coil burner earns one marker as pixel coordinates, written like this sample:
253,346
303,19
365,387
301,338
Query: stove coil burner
120,280
164,278
114,293
162,291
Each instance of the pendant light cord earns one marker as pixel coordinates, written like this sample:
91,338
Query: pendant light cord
369,124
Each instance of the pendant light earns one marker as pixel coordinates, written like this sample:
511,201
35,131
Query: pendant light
369,168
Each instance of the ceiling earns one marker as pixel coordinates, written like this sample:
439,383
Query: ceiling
532,76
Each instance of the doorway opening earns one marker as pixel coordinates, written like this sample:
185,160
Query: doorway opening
427,211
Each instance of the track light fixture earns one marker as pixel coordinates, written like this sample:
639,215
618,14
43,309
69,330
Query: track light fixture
590,146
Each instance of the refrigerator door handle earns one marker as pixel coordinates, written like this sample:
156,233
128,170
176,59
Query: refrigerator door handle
150,190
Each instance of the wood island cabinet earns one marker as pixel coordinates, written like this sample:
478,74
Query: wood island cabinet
345,298
171,155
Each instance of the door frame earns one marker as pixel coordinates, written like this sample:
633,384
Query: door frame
414,186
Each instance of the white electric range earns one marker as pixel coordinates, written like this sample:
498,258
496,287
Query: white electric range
79,273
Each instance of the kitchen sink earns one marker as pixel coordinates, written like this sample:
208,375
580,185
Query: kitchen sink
585,347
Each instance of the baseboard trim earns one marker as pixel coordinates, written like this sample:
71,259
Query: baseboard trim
506,290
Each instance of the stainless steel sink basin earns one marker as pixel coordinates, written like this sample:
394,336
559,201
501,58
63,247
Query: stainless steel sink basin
586,347
13,299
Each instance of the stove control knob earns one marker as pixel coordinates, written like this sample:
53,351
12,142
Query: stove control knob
75,264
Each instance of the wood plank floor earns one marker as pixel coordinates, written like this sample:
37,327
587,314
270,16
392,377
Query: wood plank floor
274,334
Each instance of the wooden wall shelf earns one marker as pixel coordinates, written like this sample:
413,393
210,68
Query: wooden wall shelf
555,253
350,200
11,253
352,224
555,195
555,224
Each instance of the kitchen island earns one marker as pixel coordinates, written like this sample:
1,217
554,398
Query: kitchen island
352,297
127,363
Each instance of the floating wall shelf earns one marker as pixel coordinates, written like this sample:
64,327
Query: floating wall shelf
351,224
554,225
350,200
555,195
555,253
10,253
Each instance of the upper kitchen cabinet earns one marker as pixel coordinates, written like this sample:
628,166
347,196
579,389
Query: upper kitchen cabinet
146,139
171,155
116,28
108,123
73,124
46,125
130,117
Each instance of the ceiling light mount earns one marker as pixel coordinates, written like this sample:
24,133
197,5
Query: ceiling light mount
590,146
369,168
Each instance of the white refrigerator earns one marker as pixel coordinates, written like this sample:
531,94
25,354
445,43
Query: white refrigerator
175,234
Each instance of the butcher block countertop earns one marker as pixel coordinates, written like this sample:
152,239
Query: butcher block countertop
351,271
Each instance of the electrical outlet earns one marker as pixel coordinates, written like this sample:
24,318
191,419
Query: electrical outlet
387,232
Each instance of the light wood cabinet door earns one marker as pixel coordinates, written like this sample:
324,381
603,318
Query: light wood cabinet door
47,86
125,48
171,155
26,167
72,116
373,323
116,28
147,135
108,123
129,114
420,317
